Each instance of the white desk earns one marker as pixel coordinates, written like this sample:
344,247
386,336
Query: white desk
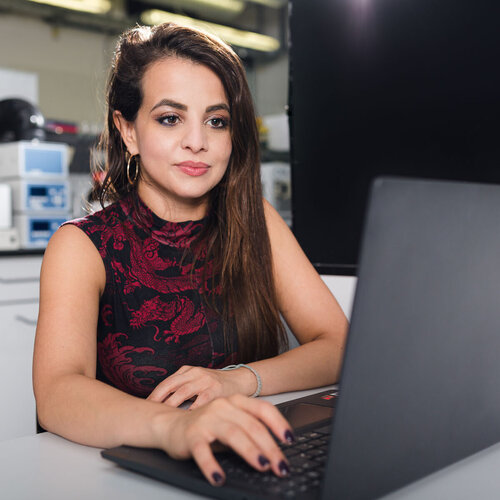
48,467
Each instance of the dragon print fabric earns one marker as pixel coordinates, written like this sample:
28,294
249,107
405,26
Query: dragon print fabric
153,316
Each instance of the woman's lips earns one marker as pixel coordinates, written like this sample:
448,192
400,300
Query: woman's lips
193,168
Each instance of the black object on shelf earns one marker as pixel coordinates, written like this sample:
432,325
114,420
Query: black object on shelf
20,120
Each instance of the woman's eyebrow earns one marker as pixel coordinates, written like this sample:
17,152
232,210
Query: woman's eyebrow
169,102
183,107
217,107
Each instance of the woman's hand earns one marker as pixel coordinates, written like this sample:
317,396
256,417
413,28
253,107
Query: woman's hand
238,422
203,383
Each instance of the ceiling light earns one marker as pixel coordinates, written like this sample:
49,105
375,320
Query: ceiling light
233,36
232,7
276,4
92,6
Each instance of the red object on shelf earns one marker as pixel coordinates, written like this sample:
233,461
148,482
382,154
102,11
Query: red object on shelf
60,127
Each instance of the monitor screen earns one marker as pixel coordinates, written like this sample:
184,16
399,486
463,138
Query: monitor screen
386,87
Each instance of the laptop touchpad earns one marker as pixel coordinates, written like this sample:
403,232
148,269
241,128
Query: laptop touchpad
303,414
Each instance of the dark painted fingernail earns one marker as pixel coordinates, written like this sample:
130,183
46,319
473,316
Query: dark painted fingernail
289,437
284,469
218,479
263,461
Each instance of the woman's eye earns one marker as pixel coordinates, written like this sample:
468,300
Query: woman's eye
218,122
169,120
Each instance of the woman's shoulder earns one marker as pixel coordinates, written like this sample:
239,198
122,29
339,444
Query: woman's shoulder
100,227
71,254
105,217
276,226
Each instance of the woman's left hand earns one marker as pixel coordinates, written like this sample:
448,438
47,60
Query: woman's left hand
205,384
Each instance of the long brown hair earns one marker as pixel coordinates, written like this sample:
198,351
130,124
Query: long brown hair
236,235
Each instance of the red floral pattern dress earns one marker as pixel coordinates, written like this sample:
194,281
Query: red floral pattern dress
153,317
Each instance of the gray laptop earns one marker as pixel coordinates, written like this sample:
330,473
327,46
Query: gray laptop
419,384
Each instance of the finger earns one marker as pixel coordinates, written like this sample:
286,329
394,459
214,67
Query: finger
162,390
159,393
266,413
237,437
184,393
262,441
168,386
182,369
202,399
203,456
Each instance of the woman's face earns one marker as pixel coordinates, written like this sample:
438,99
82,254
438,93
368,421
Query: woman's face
182,134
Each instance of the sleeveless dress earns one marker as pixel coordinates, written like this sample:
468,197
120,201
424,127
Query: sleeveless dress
153,317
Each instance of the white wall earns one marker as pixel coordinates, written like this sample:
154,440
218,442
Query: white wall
71,66
271,86
18,84
343,287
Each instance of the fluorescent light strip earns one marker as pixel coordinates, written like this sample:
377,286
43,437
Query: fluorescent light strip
228,6
246,39
92,6
275,4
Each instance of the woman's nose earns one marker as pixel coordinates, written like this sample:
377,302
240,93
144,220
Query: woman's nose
195,138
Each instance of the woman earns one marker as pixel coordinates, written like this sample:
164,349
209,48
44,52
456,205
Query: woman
186,272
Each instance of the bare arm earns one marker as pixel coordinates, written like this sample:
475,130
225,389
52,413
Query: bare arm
72,280
72,403
311,312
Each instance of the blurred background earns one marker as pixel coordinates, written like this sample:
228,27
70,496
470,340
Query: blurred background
55,55
65,47
345,91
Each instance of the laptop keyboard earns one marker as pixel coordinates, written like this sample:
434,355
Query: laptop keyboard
307,457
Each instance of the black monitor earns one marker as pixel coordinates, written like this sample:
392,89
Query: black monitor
386,87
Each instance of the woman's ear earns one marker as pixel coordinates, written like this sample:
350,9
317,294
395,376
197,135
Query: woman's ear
127,131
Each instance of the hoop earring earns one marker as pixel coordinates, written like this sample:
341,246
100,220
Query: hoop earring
136,161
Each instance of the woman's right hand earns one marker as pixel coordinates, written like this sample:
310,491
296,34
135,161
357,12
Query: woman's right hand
238,422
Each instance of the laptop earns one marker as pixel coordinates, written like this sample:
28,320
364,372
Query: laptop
419,382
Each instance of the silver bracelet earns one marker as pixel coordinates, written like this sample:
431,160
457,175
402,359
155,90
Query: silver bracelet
257,376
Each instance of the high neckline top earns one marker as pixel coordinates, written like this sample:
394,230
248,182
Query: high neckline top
159,308
178,234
